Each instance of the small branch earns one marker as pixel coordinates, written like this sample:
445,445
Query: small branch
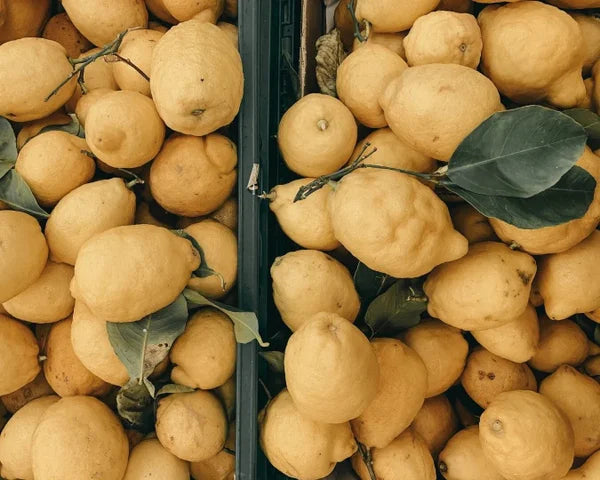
134,182
357,33
116,57
229,451
262,384
365,453
79,64
317,184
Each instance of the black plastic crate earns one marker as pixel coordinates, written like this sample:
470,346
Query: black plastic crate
269,44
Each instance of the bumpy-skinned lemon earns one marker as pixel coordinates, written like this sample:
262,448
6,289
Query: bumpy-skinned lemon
24,253
331,369
590,29
516,341
473,225
79,437
393,41
60,29
85,102
361,79
193,176
560,343
487,288
91,345
443,350
204,355
219,467
589,469
150,459
22,18
98,74
19,355
432,108
298,446
557,238
390,240
87,211
197,81
596,90
487,375
53,164
588,101
435,423
101,21
219,246
594,315
316,135
463,459
48,299
307,282
123,129
192,426
116,271
444,37
393,152
158,9
307,222
402,381
568,281
31,129
30,69
389,16
37,388
525,436
137,46
578,396
64,371
206,10
406,458
16,439
511,33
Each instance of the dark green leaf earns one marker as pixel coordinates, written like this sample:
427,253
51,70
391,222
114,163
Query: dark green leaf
587,119
174,388
245,324
17,194
274,360
517,153
142,345
8,142
5,166
397,309
569,199
74,127
370,283
136,406
203,270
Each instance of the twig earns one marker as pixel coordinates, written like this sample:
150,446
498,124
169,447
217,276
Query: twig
357,33
262,384
79,64
120,58
365,453
229,451
317,184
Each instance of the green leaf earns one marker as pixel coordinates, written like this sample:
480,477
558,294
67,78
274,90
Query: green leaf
397,309
17,194
5,167
517,153
587,119
203,270
74,127
569,199
142,345
8,142
245,324
369,283
135,405
174,388
274,360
